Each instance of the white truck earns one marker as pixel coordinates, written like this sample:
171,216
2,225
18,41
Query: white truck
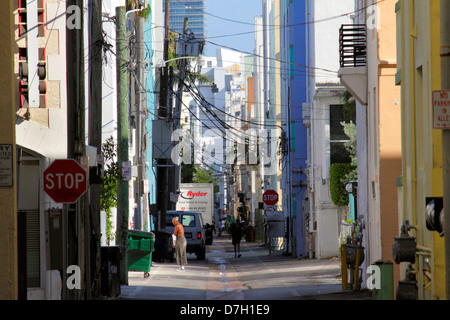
199,197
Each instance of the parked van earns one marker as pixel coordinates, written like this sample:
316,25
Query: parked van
194,230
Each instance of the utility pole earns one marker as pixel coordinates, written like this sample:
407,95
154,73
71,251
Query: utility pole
95,139
175,171
141,117
445,84
122,137
162,164
73,216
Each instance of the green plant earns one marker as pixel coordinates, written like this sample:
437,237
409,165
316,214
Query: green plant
204,174
108,196
350,146
338,173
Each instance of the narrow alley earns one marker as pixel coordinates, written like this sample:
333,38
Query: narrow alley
256,275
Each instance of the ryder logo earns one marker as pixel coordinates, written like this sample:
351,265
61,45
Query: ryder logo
192,195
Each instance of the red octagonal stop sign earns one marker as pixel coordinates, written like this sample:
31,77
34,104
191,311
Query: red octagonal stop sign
65,181
270,197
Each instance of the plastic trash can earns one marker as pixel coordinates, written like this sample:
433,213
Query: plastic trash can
110,270
140,248
163,247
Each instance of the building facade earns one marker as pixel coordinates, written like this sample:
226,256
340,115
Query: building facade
418,75
323,112
371,80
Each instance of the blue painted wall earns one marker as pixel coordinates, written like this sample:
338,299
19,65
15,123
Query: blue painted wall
298,92
151,107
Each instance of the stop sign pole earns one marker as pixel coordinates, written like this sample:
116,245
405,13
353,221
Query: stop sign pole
65,181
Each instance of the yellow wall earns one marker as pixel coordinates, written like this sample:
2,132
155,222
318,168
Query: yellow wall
8,225
437,183
277,19
422,146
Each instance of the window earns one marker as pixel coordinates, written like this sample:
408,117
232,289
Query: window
338,153
188,220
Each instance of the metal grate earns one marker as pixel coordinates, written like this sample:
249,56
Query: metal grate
352,45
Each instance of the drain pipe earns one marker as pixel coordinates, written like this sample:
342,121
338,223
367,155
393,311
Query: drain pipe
445,84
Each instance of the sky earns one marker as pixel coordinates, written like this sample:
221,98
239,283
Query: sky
225,32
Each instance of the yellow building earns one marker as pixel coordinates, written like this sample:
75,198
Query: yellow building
8,195
418,74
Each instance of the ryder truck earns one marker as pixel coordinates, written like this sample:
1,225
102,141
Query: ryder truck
199,197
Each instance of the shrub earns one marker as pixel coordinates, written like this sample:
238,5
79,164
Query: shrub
338,173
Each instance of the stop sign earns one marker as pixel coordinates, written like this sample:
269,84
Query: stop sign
270,197
65,181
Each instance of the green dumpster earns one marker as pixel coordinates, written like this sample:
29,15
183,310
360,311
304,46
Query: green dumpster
384,279
141,244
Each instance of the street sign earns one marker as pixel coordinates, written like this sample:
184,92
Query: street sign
126,170
65,181
441,109
6,165
270,197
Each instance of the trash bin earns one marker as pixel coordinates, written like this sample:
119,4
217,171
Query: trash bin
385,290
163,247
140,248
110,271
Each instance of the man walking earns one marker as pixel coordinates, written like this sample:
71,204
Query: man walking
180,244
236,235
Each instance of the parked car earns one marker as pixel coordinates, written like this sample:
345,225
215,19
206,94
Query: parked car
194,230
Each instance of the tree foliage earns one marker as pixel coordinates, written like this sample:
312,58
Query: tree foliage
204,174
108,196
350,146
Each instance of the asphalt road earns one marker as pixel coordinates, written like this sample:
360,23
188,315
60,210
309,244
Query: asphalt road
256,275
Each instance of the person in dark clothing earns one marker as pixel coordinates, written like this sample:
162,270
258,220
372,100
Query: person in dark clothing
236,236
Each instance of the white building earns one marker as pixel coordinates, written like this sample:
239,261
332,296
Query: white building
323,95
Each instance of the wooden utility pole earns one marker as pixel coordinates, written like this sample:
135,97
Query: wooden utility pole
175,171
142,200
95,140
122,137
162,169
74,250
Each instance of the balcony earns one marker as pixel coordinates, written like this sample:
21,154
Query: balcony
352,45
352,59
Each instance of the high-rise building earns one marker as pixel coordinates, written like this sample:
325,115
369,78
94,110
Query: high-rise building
195,11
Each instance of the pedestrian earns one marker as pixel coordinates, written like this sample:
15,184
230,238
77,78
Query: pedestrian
236,236
180,244
220,227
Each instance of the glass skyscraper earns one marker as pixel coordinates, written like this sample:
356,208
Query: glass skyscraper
195,11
